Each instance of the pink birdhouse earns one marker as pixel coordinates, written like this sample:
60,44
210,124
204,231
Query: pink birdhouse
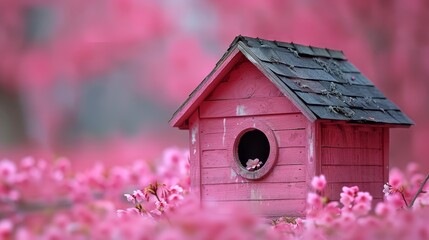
272,115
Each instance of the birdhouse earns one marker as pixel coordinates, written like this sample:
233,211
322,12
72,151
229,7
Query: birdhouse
271,115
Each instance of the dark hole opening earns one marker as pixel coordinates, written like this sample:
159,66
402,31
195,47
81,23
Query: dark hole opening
253,144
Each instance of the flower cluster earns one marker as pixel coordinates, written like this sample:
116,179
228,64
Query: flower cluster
355,216
84,205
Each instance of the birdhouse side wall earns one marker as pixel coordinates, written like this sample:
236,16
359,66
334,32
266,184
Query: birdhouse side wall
354,155
243,96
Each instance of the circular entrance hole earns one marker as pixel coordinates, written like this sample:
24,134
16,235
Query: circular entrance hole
253,144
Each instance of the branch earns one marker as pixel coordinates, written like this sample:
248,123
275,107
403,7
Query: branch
419,191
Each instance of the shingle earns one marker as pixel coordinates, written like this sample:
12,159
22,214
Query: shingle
324,112
289,58
281,69
357,79
320,52
400,117
378,116
307,85
251,42
315,74
337,54
264,54
290,83
318,99
345,66
284,44
303,49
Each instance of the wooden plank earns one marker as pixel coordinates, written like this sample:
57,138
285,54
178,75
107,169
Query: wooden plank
352,156
286,156
312,158
246,107
386,155
195,158
291,138
285,138
275,122
214,158
337,135
335,174
253,191
333,190
213,141
279,174
268,208
291,156
245,81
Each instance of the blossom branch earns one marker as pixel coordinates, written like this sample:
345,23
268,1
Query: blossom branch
419,191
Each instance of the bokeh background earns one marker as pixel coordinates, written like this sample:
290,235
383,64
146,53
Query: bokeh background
98,80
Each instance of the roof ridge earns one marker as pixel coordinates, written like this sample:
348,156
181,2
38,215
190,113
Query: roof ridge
310,50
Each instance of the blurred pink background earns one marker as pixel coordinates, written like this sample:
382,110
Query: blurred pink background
98,80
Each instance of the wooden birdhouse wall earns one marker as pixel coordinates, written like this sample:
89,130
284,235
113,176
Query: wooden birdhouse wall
246,95
354,155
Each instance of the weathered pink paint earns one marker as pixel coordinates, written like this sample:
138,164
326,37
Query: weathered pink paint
239,96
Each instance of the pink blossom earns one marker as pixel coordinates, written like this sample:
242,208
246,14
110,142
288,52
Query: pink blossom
138,196
351,191
383,209
396,178
162,191
319,182
253,164
130,198
7,170
363,197
314,200
176,189
6,228
346,199
361,208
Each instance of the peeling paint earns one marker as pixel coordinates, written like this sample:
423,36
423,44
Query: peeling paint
194,135
239,111
233,174
224,132
254,194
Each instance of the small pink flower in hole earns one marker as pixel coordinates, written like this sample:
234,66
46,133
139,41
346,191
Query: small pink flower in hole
253,164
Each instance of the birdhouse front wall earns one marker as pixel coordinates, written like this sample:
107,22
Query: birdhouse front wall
354,155
243,101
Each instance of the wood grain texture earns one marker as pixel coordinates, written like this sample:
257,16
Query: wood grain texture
291,138
285,138
286,156
279,174
245,81
246,107
275,122
386,154
254,191
269,208
352,156
351,174
337,135
195,158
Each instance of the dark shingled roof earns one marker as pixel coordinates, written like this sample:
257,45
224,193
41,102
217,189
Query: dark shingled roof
321,81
